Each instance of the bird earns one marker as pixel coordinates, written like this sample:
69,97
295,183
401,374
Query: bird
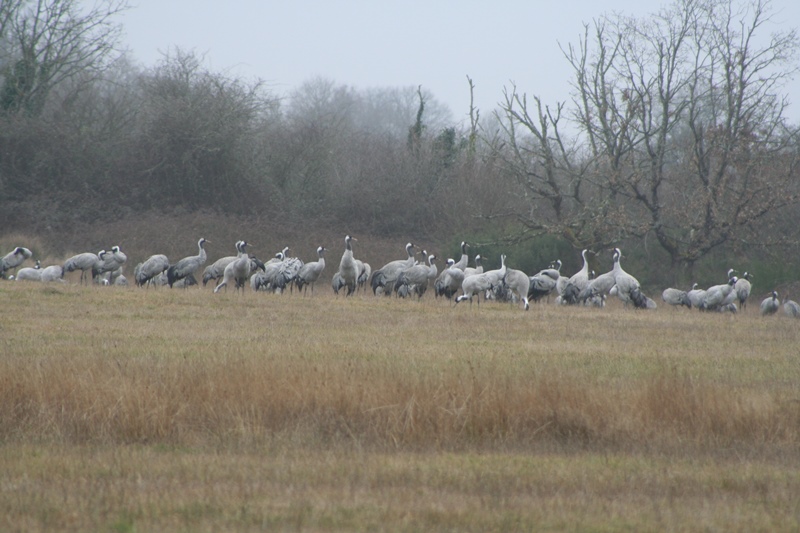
416,278
237,271
601,285
791,308
53,273
543,283
518,282
337,283
13,259
480,283
696,295
311,271
626,284
347,266
365,271
387,275
84,262
448,283
743,288
719,296
152,267
469,271
216,269
581,278
463,261
770,305
676,297
109,262
187,265
33,273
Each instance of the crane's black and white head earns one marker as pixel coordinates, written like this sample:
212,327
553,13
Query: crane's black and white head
731,272
747,276
557,264
202,242
464,247
431,259
733,281
450,262
321,250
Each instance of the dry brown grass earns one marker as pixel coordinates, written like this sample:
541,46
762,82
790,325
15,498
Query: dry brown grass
184,410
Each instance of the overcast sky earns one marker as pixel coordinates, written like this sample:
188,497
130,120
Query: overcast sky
382,43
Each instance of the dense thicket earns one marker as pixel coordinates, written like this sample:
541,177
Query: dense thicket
676,135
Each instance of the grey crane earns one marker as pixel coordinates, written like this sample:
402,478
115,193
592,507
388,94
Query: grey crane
311,271
696,295
109,262
791,308
448,283
480,283
53,273
518,282
626,284
469,271
676,297
152,267
33,273
365,271
463,261
337,283
237,271
216,269
770,305
743,288
187,265
543,283
416,278
581,278
719,296
84,262
348,269
601,285
13,259
387,275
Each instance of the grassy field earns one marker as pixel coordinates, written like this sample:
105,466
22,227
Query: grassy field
182,410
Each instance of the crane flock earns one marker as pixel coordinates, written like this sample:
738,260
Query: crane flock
406,277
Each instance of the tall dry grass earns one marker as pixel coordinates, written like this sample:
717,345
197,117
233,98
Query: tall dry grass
112,367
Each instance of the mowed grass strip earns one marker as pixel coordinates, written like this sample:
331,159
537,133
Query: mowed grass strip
404,391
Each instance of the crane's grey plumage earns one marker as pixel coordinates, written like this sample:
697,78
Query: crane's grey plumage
416,278
386,276
543,283
719,296
311,271
216,269
108,263
448,283
337,283
348,269
463,261
601,285
237,271
84,262
187,265
770,305
365,271
13,259
53,273
480,283
696,295
469,271
518,283
152,267
676,297
33,273
628,287
581,278
791,308
743,288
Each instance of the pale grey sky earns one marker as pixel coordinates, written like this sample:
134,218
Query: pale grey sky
377,43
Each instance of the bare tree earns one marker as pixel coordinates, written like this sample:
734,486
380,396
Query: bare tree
50,41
